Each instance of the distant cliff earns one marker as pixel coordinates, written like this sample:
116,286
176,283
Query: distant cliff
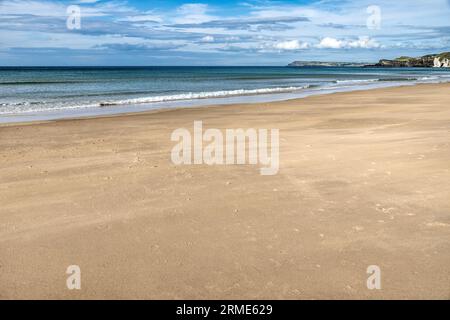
324,64
441,60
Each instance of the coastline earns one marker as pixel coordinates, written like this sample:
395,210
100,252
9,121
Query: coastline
363,181
117,110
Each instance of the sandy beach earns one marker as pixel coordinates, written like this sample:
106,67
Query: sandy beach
364,179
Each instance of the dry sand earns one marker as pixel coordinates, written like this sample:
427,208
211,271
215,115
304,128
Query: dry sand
364,180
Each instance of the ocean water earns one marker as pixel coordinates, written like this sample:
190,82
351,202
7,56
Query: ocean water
32,93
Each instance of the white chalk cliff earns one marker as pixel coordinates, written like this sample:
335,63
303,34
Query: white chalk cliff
445,63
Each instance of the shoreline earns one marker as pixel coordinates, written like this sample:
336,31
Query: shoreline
363,180
104,111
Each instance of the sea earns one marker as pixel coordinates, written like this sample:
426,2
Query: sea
46,93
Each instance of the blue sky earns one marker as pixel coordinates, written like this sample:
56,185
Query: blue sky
247,32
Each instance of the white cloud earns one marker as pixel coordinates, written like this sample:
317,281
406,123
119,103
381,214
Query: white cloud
330,43
208,39
193,13
362,42
291,45
232,38
58,9
143,18
36,8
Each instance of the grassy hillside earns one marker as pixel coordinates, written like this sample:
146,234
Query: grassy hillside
444,55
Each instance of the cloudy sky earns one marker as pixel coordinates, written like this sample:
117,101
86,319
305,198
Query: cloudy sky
242,32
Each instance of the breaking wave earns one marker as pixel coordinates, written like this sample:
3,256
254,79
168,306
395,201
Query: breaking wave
202,95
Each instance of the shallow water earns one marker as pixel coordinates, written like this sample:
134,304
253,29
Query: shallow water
49,93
